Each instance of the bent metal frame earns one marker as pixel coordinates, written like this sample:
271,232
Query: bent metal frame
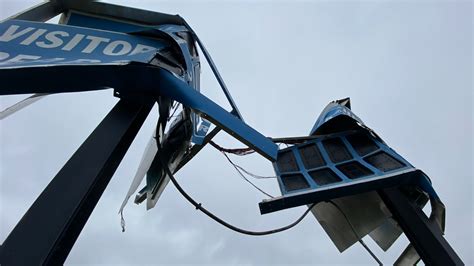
49,229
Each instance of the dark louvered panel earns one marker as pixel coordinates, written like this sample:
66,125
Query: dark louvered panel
354,170
324,177
336,150
294,182
384,162
362,143
311,156
286,162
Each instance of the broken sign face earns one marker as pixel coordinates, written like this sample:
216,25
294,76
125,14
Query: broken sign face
340,165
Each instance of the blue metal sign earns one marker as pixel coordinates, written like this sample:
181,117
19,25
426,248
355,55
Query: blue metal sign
346,159
192,65
99,55
25,43
337,109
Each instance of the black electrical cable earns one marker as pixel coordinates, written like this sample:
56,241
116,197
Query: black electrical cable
240,167
238,151
174,111
355,233
199,206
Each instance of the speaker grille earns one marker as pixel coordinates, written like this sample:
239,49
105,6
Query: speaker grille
384,162
311,156
362,143
336,150
286,162
324,177
294,182
354,170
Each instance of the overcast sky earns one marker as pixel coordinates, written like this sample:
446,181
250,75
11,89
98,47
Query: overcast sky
407,67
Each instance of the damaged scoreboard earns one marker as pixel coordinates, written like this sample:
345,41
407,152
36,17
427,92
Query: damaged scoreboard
150,58
341,165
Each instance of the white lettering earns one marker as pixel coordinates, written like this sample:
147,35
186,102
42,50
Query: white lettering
22,58
124,48
33,37
54,40
140,48
11,35
73,42
95,41
78,61
50,60
4,56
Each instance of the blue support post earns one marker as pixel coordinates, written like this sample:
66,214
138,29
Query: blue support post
172,87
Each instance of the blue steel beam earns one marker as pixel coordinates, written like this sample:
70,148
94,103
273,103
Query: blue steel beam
134,79
172,87
215,71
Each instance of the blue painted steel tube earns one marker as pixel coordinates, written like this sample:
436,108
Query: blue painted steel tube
133,79
172,87
214,70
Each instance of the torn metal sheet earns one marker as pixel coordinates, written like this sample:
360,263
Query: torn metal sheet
377,221
342,163
386,234
127,60
365,212
145,163
175,143
337,116
184,62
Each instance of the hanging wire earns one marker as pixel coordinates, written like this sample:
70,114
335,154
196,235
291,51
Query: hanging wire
175,107
245,178
224,151
240,169
199,206
252,174
355,233
239,151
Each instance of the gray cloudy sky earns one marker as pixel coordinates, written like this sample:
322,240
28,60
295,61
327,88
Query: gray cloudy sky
407,66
